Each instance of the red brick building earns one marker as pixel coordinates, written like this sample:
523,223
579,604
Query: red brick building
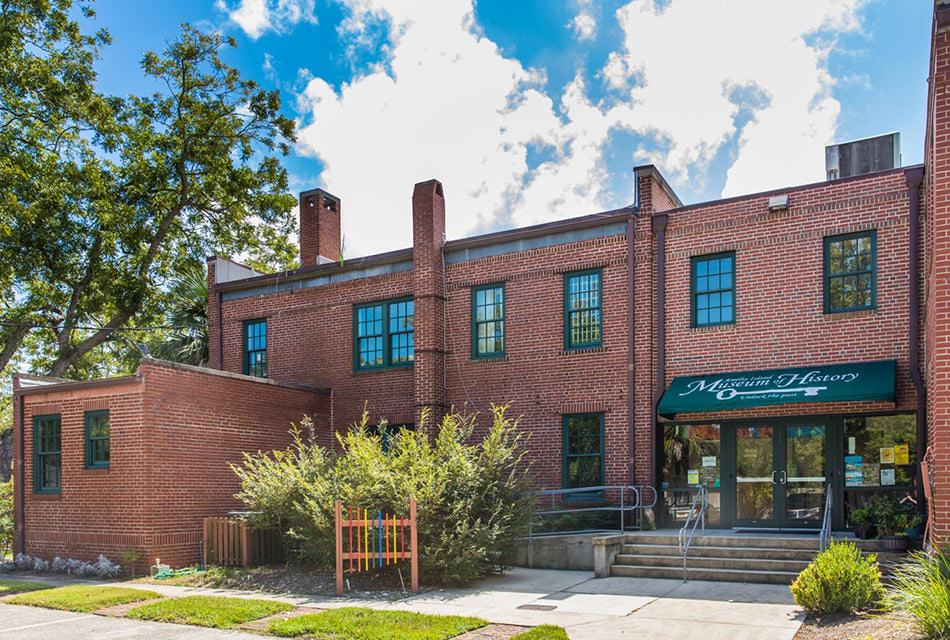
772,347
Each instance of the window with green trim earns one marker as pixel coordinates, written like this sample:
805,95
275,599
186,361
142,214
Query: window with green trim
97,438
384,334
255,347
851,272
582,309
714,289
583,447
488,321
47,459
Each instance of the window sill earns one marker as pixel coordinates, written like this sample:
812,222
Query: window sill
582,350
845,315
398,367
97,467
488,359
46,495
712,328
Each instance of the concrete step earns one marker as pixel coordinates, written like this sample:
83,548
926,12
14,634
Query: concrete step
738,564
710,539
765,553
693,573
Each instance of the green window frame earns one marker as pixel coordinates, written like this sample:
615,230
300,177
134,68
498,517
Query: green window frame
582,449
384,334
488,321
583,309
713,289
255,347
97,439
850,272
47,454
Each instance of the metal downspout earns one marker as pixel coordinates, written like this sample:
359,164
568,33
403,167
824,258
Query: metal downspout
659,230
631,347
914,178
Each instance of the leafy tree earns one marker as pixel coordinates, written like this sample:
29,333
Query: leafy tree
149,185
187,310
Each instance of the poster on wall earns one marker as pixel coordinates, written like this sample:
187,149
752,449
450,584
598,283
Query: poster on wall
692,476
709,461
887,455
902,454
853,475
871,474
887,477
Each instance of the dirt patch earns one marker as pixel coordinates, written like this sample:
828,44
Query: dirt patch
262,625
492,632
885,626
120,610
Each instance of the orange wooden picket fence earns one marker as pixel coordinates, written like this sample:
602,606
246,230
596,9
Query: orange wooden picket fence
230,542
375,540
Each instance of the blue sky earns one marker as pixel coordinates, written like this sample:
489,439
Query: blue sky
536,110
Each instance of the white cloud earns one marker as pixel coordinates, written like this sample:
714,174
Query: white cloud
255,17
584,24
448,104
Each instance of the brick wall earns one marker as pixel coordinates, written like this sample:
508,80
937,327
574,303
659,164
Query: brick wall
173,431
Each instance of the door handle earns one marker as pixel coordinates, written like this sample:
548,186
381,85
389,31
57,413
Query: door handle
784,479
773,477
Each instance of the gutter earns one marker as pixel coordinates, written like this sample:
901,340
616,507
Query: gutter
659,230
914,177
631,348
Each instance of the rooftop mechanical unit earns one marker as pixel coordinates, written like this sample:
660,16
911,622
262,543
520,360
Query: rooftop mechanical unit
867,155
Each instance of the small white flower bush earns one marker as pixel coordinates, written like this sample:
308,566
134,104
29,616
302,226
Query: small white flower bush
101,568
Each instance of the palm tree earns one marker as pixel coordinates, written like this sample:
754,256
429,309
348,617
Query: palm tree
188,312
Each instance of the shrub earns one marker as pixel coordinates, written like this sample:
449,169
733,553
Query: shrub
473,498
922,588
6,518
839,580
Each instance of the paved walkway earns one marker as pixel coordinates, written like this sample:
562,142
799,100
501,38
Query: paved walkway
587,607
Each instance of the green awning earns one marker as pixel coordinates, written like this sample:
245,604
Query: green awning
862,381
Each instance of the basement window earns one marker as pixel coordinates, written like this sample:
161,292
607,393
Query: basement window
384,334
255,347
583,320
488,321
97,439
47,459
851,272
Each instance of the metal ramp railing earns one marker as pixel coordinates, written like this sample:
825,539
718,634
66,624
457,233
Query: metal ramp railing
696,516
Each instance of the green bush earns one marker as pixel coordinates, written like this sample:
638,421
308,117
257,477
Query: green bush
922,588
6,519
839,580
473,497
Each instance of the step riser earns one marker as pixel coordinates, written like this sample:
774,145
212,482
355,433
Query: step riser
693,574
712,563
720,552
809,543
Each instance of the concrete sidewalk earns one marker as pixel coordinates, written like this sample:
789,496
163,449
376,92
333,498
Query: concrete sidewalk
587,607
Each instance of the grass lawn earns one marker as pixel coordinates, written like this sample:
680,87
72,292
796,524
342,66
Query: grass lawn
356,623
544,632
82,598
15,586
208,611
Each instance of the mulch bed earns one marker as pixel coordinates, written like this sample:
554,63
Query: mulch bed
882,626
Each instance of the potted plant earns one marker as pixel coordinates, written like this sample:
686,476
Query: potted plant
892,525
862,521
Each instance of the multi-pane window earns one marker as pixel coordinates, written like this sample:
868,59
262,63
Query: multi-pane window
850,270
582,309
255,348
384,334
97,438
583,450
47,462
714,289
488,321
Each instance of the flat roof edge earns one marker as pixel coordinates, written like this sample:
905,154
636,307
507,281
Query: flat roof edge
190,368
69,385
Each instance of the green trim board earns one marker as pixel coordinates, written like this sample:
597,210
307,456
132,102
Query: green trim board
857,382
488,321
583,309
47,454
384,334
97,438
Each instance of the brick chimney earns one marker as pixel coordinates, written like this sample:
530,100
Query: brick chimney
428,280
319,228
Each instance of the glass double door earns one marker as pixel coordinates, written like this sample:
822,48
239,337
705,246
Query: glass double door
780,474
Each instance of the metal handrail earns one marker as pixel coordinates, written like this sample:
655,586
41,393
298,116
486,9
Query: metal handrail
697,516
627,504
825,536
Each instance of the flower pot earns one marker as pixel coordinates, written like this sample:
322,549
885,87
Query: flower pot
863,530
895,543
